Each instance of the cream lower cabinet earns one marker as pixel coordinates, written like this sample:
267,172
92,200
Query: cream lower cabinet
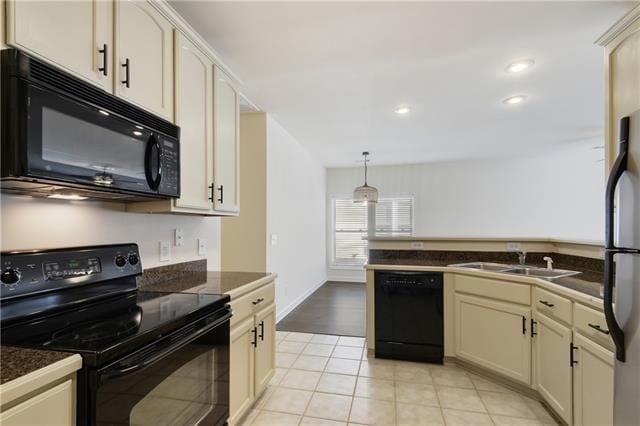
242,356
252,348
592,383
552,344
265,363
75,35
494,335
54,407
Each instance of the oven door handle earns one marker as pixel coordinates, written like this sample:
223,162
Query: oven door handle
114,372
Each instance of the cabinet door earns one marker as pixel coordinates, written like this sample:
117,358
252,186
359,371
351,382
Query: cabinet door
226,125
242,358
194,99
553,372
53,407
266,350
622,81
494,335
592,383
71,34
144,54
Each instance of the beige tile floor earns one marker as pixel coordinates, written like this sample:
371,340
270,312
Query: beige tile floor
328,380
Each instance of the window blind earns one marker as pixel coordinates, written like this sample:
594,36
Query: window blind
393,217
350,226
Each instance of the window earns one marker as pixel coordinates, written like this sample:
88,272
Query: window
351,223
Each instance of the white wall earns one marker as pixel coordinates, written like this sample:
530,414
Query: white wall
33,223
296,215
553,195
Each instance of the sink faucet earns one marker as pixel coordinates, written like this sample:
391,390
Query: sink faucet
549,262
522,257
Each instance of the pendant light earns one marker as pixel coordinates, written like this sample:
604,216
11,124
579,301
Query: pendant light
365,193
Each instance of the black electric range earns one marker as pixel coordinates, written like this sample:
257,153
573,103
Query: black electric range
148,357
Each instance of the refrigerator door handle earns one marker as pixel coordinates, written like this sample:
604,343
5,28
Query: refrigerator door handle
619,167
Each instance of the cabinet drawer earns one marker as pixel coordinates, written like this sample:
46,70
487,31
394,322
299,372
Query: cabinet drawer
251,303
495,289
552,305
592,324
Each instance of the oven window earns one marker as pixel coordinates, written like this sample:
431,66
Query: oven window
70,141
188,387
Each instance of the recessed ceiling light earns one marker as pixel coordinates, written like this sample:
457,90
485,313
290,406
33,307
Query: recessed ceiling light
403,110
514,100
67,196
519,66
137,133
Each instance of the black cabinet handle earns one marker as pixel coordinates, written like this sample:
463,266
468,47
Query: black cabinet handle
524,325
598,328
221,189
533,323
211,192
572,348
105,56
127,69
255,337
545,303
255,302
261,330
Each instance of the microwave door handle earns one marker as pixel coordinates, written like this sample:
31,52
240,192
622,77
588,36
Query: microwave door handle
153,146
619,167
113,373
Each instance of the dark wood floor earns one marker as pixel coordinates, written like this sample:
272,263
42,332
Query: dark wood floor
335,308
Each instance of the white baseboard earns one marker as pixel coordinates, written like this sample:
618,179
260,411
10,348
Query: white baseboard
287,310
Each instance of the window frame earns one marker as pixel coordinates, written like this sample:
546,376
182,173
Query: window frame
370,224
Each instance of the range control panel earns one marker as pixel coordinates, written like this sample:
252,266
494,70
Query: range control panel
30,272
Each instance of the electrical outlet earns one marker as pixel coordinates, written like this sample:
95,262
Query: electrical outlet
417,245
514,247
165,251
178,237
202,247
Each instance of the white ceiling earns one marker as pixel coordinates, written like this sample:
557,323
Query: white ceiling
332,73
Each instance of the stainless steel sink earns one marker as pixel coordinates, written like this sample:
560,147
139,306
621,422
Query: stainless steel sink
541,272
518,269
485,266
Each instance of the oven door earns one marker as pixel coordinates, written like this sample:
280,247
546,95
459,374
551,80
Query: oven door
181,380
71,141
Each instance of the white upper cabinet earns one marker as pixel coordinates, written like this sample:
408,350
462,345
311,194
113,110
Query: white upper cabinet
226,153
144,55
194,107
75,35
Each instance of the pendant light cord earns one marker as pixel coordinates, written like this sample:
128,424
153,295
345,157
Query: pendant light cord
365,168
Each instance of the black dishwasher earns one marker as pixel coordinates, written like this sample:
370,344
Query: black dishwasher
409,316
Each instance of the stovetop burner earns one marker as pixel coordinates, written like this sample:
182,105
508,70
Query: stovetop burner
95,332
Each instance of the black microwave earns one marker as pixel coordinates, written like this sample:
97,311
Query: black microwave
64,138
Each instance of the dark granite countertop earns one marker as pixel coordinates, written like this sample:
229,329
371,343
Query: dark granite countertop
213,282
587,282
17,362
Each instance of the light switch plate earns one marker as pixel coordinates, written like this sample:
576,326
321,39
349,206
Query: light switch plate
514,247
274,239
165,251
178,237
202,247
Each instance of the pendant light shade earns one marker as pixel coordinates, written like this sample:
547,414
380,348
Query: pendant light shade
365,193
